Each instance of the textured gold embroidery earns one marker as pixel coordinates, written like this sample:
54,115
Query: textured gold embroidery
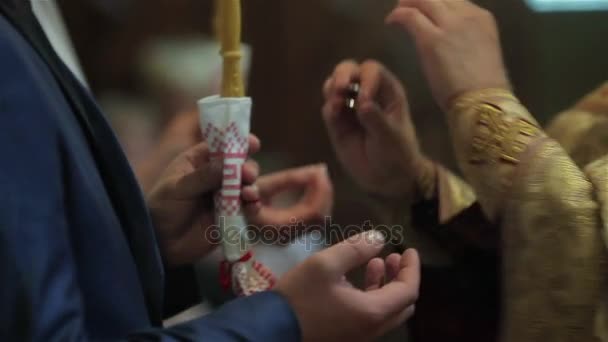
499,137
554,259
467,100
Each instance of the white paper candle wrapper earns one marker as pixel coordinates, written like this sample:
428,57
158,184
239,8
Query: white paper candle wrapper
225,124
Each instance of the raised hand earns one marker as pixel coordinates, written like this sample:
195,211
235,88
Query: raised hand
376,142
458,44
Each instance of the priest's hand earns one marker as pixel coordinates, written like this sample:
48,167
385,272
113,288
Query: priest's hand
329,308
376,142
458,44
181,203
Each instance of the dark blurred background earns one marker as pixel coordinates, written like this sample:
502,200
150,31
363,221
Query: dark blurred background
554,58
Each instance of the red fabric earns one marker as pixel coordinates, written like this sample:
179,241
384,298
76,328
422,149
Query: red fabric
226,270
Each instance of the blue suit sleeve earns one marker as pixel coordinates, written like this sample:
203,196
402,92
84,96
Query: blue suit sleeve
40,296
262,317
39,291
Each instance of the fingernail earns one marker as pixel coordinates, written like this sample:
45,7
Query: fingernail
375,237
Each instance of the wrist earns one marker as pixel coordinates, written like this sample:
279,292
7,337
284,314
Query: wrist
417,182
468,99
425,180
395,208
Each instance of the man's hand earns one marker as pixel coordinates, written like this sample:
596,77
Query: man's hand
181,203
330,309
376,142
458,45
313,206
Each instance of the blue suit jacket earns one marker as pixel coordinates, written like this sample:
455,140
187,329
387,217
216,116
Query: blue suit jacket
78,255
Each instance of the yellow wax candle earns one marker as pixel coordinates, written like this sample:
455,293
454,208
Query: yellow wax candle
229,20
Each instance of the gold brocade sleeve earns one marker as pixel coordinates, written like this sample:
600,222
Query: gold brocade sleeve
553,253
490,131
583,129
598,174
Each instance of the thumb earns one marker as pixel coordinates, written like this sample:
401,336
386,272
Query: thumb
351,253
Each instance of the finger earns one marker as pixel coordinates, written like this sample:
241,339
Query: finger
250,193
435,10
374,274
312,207
250,172
292,179
393,263
376,84
201,181
345,73
402,292
252,209
318,195
334,90
254,144
373,119
371,77
351,253
413,21
410,268
333,113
